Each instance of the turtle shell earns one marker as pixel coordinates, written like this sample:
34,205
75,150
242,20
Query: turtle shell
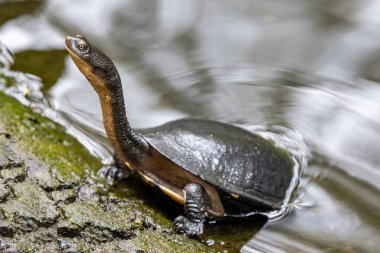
239,163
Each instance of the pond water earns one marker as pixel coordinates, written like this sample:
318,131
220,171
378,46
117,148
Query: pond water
303,73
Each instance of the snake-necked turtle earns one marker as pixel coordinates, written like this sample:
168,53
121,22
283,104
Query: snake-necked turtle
214,169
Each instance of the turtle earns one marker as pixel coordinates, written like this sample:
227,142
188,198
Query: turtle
214,169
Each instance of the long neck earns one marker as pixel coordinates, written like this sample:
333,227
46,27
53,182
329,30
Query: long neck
127,144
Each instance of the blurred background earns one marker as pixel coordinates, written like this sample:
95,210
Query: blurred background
303,73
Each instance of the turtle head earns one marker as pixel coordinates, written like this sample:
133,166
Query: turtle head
93,63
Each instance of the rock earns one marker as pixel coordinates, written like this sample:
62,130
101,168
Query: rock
149,223
63,196
7,247
6,228
67,247
15,174
68,229
49,202
86,193
7,157
97,224
42,175
31,207
4,192
120,247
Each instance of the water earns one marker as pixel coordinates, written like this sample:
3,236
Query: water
303,73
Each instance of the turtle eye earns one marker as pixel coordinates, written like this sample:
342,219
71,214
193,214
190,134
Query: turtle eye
82,46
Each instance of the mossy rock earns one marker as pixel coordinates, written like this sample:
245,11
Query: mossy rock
48,203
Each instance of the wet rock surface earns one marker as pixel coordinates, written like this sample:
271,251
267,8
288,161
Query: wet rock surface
46,209
40,213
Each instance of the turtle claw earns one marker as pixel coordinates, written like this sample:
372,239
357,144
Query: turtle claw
182,225
113,174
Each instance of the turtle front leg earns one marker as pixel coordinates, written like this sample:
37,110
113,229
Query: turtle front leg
117,171
195,210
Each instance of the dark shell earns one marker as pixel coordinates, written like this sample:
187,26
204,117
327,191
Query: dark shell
234,160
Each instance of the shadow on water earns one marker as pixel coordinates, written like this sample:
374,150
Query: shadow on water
303,74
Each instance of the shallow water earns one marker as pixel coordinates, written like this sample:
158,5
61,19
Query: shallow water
302,73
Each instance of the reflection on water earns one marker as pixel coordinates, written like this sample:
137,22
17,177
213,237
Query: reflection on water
303,73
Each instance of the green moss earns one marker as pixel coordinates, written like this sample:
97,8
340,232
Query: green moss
46,140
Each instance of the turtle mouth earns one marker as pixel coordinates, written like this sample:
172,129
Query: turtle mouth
68,42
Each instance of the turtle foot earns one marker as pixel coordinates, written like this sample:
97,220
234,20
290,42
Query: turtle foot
182,225
113,174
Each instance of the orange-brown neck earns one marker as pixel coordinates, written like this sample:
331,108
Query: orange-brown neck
129,146
104,78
